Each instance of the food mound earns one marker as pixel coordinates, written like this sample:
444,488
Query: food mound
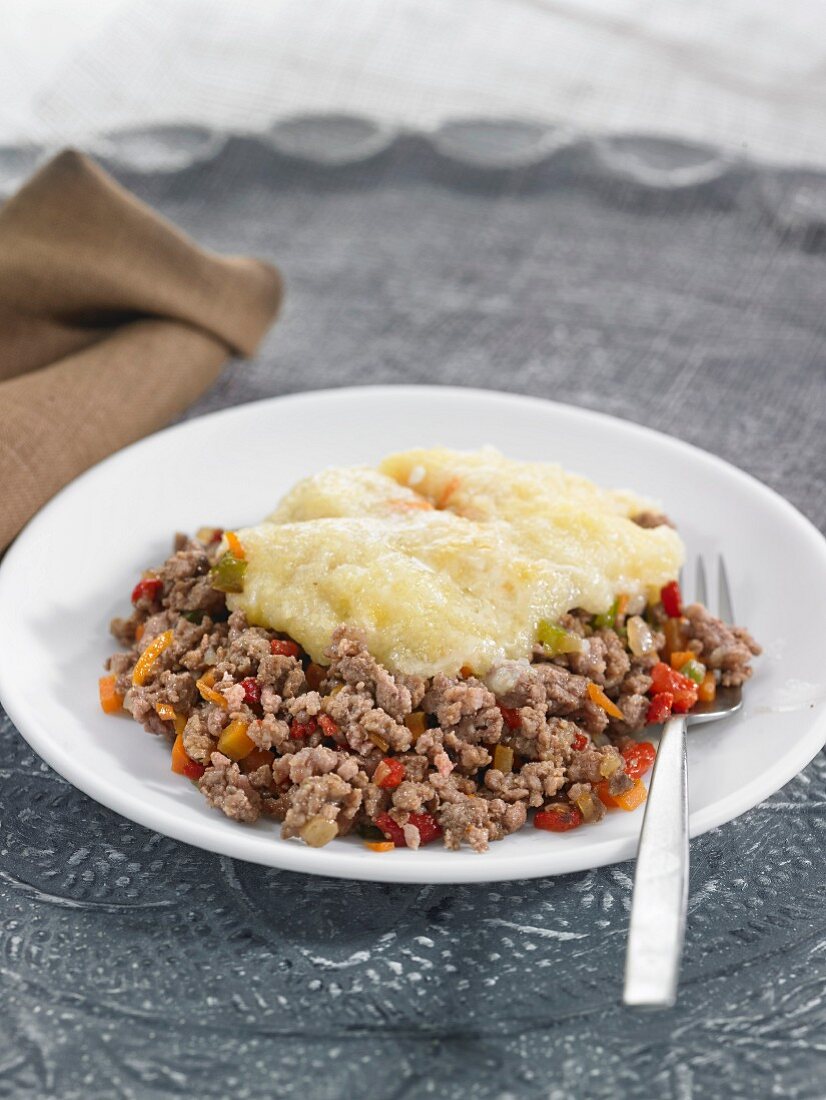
432,649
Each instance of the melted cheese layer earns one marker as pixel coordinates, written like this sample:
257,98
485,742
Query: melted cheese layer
446,559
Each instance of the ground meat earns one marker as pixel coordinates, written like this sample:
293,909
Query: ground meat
476,821
431,744
552,742
304,707
351,663
198,742
469,758
284,675
592,718
565,692
533,782
296,767
603,659
123,631
326,796
412,797
466,708
186,582
586,766
321,770
516,684
225,787
727,648
634,709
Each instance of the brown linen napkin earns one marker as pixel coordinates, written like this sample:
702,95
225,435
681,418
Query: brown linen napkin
111,323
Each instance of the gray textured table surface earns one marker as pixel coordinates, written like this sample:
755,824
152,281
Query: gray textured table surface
655,282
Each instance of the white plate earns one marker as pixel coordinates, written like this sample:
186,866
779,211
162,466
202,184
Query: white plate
73,568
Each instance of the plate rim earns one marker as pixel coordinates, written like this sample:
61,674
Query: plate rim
403,867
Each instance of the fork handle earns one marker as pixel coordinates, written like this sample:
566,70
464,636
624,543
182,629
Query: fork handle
660,899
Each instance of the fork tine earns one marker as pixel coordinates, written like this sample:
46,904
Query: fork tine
700,587
725,606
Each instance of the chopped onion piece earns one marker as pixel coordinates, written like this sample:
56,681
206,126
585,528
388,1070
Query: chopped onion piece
640,636
318,831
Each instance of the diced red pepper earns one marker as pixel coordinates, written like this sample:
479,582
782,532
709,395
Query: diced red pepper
429,828
666,679
579,742
639,758
300,730
391,829
389,774
559,817
283,648
149,588
512,718
672,600
659,709
328,725
252,691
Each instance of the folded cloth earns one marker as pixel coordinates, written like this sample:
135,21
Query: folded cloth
112,321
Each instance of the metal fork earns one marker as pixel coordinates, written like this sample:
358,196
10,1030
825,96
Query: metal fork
660,900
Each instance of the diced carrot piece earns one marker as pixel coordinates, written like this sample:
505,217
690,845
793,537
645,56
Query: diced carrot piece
183,764
208,692
632,798
144,663
235,547
379,845
179,723
234,742
708,688
681,657
139,629
599,697
165,712
111,701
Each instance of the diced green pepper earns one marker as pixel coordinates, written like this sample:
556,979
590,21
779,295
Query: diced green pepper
228,574
607,619
556,639
196,617
694,671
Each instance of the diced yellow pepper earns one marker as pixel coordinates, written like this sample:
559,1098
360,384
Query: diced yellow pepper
234,742
503,758
416,723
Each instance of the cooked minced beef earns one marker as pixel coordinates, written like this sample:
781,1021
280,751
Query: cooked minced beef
471,756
